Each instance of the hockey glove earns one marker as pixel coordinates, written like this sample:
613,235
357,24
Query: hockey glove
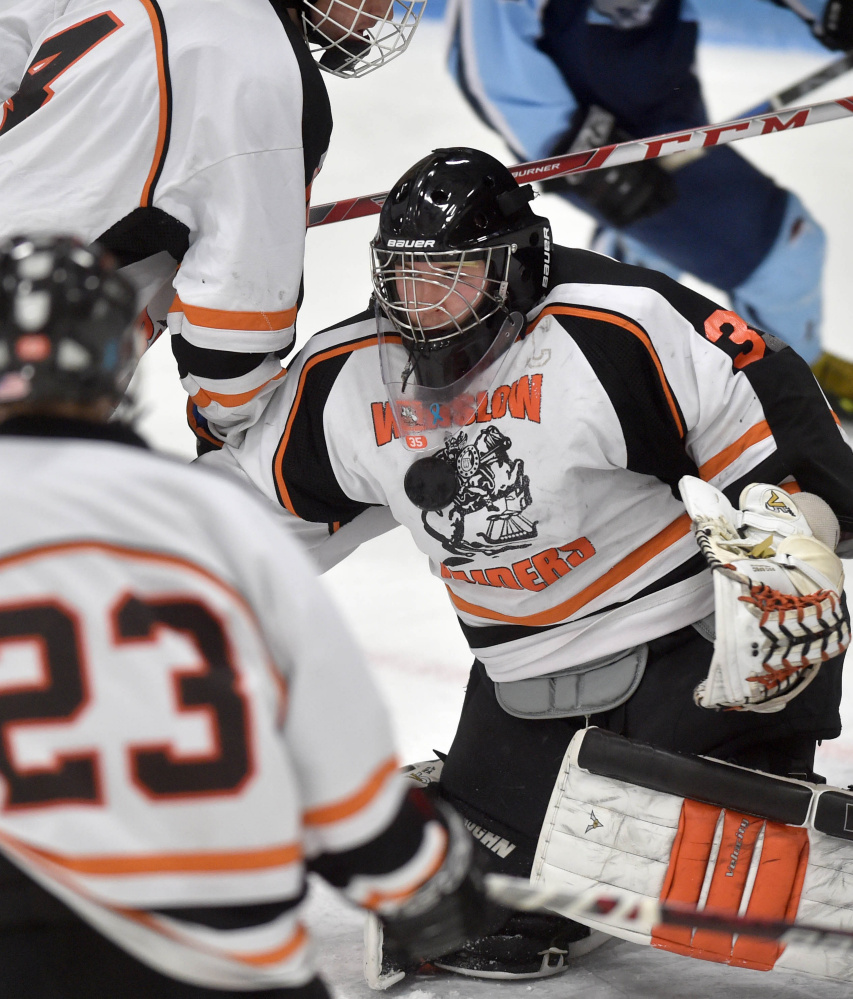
443,915
778,610
835,28
835,31
620,195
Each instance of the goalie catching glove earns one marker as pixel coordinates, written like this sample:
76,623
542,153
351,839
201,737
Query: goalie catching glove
778,609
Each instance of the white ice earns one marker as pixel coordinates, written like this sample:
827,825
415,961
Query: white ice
400,613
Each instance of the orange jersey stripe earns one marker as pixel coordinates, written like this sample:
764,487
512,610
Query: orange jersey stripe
277,954
344,809
165,106
204,397
713,466
224,319
633,328
161,863
654,546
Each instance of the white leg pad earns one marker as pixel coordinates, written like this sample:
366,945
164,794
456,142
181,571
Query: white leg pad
663,844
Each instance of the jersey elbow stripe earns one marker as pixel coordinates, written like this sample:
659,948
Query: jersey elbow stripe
671,534
377,899
711,468
198,429
637,331
164,83
204,397
347,807
225,319
278,954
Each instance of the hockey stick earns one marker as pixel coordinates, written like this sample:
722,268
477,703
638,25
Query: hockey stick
801,11
831,71
608,905
616,154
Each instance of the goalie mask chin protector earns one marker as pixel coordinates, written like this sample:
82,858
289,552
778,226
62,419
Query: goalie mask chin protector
426,415
67,322
351,39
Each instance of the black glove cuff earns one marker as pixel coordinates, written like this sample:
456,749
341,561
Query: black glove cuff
618,195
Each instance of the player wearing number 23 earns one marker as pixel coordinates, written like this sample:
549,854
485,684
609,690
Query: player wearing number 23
185,723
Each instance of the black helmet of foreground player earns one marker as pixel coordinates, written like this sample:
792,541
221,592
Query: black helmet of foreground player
351,38
458,250
67,322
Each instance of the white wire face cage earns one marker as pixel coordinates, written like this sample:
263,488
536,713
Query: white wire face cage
350,39
433,298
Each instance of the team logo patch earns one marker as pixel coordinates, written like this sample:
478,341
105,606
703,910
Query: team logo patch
487,512
594,822
777,504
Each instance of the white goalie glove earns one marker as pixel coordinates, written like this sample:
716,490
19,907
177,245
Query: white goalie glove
778,612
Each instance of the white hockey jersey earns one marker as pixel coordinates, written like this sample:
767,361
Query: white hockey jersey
567,539
185,721
173,131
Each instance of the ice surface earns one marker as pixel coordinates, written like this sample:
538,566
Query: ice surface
399,612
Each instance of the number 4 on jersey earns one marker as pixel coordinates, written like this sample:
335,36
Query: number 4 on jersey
54,56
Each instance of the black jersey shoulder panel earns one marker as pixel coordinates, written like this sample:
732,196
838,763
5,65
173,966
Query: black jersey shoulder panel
574,265
316,108
144,232
623,362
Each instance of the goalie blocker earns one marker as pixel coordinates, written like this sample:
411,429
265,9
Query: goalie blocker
697,832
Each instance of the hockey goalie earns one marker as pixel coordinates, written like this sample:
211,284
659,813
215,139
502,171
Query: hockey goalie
527,410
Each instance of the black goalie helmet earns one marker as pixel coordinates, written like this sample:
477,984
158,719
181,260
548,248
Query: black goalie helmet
458,251
68,328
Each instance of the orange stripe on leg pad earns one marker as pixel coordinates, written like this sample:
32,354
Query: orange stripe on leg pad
728,881
775,892
688,862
